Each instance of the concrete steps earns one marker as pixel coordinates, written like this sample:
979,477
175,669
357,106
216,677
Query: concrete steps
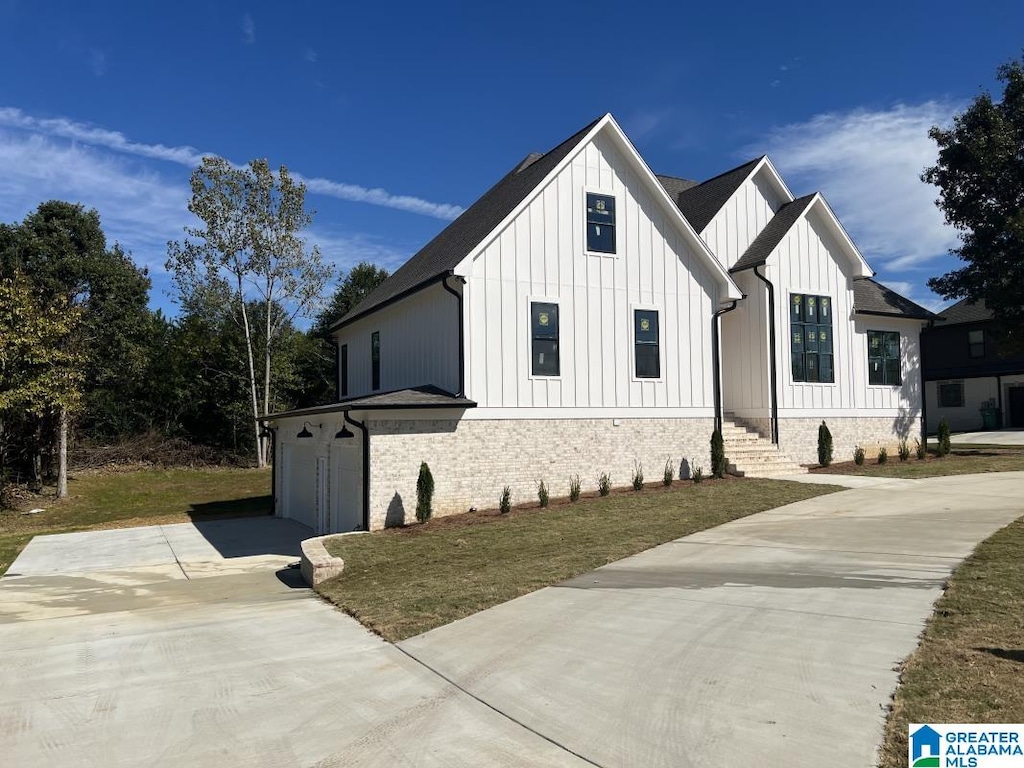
750,455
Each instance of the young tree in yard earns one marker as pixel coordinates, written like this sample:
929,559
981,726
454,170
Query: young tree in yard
980,176
249,249
39,373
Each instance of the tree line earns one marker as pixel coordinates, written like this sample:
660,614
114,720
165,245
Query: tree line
85,361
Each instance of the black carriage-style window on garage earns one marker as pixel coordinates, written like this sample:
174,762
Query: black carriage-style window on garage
811,348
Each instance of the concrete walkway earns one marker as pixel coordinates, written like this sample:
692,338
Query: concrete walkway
769,641
993,437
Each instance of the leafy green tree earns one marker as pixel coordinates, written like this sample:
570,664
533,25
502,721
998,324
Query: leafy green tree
980,176
359,282
40,374
249,249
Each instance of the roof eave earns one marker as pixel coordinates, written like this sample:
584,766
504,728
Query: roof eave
350,318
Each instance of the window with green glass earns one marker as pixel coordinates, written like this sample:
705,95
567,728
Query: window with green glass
645,338
884,358
811,349
544,332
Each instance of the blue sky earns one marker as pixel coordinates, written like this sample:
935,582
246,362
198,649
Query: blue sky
399,113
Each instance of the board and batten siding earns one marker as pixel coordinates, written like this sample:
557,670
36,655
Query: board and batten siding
419,344
745,363
808,260
540,256
742,218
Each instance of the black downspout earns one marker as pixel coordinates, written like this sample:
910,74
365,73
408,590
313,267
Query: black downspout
772,354
366,468
716,363
462,335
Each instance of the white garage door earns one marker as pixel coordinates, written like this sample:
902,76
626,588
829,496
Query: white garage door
300,483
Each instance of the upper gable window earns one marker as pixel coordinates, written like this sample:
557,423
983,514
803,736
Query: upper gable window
976,343
600,223
811,333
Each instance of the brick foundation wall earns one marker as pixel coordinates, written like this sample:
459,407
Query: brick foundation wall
472,460
798,438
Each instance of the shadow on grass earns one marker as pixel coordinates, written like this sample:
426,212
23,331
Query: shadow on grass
213,510
1004,653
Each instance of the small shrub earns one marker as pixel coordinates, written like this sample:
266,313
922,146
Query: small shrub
505,502
883,455
574,488
921,449
943,447
542,493
858,455
717,454
904,449
424,493
670,473
604,484
638,476
824,445
696,471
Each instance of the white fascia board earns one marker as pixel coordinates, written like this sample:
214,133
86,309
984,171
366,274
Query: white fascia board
730,291
775,177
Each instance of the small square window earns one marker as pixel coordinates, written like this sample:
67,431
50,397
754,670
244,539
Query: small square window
951,394
600,223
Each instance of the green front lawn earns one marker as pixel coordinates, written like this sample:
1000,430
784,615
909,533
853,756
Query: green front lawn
404,581
962,460
143,497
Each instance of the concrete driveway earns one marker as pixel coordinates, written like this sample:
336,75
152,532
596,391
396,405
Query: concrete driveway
194,646
993,437
769,641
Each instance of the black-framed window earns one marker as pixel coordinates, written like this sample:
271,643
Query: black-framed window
544,338
951,394
600,223
343,373
884,358
976,343
647,349
811,348
375,358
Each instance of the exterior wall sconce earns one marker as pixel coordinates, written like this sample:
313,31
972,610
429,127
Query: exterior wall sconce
305,430
345,433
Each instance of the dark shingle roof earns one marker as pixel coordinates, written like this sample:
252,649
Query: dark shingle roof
676,186
417,397
872,298
966,311
442,254
700,202
758,251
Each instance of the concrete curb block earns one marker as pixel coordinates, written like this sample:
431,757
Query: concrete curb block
318,564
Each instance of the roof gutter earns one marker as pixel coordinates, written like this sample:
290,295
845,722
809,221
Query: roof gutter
772,356
462,333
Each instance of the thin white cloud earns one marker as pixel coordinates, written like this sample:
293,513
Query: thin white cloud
310,56
868,164
248,29
11,117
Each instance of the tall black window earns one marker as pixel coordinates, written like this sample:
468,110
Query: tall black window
544,330
600,223
375,358
343,365
884,358
976,343
810,320
645,337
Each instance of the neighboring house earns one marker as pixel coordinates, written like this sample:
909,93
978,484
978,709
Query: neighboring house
586,316
965,373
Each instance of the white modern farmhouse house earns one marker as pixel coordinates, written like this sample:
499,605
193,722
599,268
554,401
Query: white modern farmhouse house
585,316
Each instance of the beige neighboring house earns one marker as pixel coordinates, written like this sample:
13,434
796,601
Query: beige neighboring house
585,316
